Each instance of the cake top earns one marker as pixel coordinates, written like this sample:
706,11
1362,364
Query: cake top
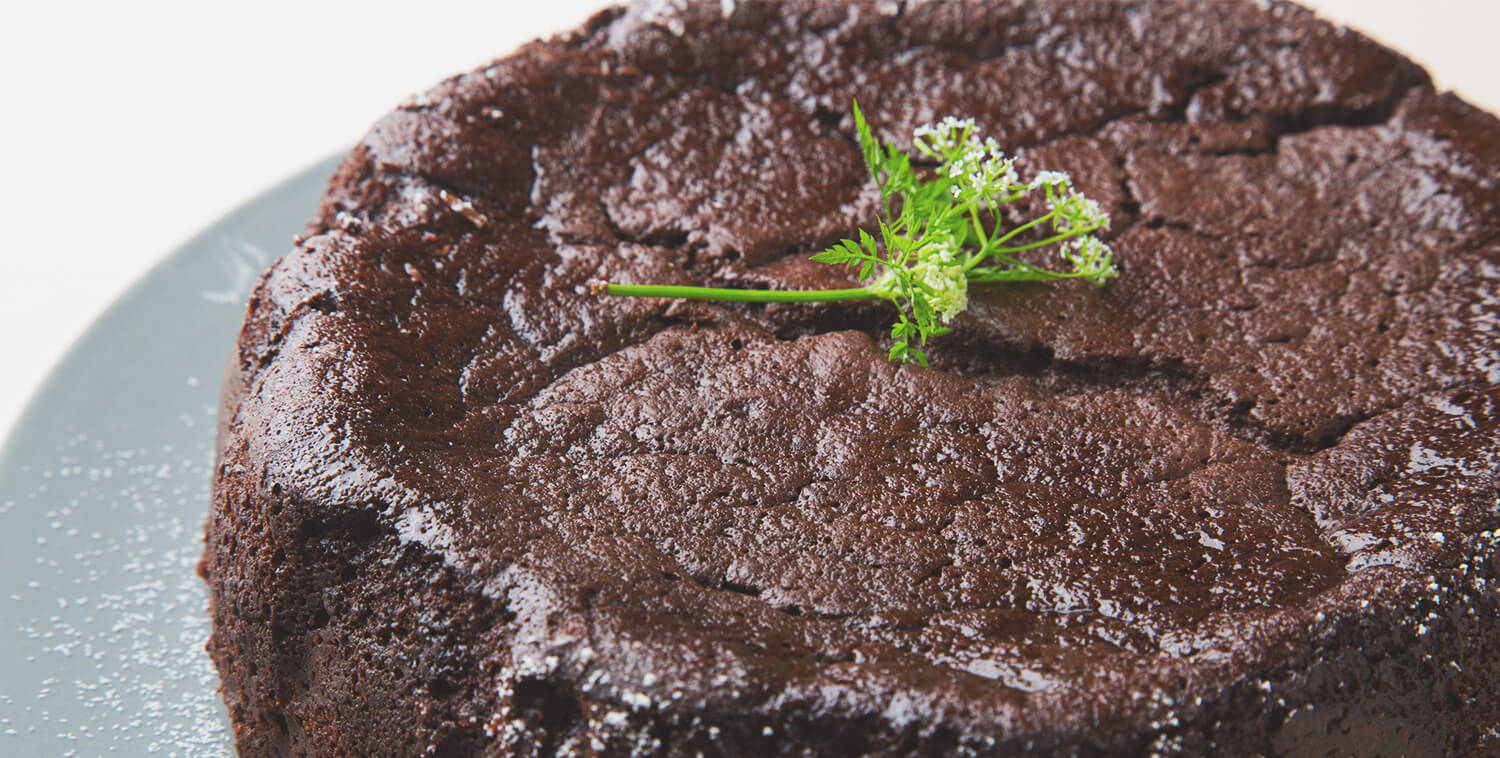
1286,405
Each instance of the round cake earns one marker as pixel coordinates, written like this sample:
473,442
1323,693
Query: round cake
1240,501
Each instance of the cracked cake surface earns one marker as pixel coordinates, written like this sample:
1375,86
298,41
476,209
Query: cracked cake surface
1242,500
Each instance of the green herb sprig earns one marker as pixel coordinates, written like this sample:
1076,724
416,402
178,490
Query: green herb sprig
933,237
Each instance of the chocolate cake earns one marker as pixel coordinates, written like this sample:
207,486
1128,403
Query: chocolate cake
1240,501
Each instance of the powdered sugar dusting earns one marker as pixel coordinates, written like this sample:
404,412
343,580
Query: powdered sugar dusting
667,14
1423,459
107,618
419,525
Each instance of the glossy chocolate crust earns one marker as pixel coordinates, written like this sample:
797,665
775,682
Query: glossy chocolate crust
1241,501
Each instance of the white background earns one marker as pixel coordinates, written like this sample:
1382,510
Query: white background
128,126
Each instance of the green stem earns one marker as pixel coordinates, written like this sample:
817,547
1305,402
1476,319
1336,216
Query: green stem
1023,227
1034,245
984,240
732,294
1046,272
1043,274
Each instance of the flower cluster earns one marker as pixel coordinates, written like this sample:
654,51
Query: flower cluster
979,169
947,139
946,283
949,231
1075,213
982,172
939,275
1091,259
1053,179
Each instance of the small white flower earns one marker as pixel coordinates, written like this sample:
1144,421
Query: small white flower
982,171
1090,257
939,270
946,138
956,127
1050,179
949,288
1076,213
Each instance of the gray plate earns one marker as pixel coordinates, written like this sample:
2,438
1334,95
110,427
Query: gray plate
103,494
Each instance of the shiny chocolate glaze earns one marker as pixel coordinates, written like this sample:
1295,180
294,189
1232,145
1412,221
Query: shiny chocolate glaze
1241,501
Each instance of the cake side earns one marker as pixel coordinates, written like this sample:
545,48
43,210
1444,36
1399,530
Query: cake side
1243,499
